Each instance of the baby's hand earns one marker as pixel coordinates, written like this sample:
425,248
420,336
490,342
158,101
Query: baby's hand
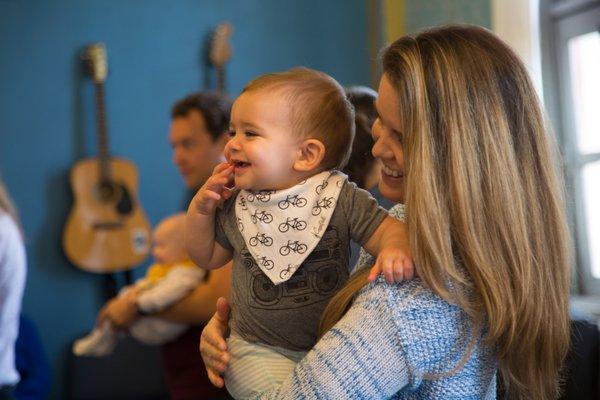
395,264
214,190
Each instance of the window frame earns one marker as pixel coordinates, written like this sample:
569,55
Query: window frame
561,21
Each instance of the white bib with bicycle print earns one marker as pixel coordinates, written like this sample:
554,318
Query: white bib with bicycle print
281,228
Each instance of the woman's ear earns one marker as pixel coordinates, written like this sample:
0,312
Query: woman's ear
310,155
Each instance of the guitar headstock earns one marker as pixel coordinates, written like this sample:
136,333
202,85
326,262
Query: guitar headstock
94,56
220,49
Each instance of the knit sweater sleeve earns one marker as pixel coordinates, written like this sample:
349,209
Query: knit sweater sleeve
360,357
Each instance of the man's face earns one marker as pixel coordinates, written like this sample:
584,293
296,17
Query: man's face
194,152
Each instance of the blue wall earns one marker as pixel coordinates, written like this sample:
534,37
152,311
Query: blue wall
154,50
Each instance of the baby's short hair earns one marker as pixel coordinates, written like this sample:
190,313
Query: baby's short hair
319,110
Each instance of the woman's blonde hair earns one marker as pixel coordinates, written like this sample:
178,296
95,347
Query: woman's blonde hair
484,198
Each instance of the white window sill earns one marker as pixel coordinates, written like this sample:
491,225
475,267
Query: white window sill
586,307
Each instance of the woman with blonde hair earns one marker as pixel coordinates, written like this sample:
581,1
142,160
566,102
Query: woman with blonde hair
12,283
464,146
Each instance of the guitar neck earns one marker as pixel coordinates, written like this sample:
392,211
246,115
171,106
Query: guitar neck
221,79
102,136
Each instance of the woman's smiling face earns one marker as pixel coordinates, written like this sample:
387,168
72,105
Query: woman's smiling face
387,134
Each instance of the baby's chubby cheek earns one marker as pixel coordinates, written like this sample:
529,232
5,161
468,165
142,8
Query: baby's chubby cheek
227,154
228,159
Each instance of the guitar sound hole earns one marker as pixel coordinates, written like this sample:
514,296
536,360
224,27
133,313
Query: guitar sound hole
116,194
106,191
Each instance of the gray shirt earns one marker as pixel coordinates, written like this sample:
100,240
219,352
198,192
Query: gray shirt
287,315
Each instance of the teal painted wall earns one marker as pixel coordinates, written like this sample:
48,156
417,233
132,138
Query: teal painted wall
154,50
422,14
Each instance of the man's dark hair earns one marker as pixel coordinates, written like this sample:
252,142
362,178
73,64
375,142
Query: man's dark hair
214,107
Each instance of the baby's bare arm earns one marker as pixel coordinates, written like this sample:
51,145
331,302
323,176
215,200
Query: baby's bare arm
391,245
200,220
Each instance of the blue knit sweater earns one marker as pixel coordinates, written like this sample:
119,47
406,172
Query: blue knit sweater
387,346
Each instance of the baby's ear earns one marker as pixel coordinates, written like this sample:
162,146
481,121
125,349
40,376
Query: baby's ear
310,155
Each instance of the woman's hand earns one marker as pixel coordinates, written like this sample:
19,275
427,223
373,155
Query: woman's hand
213,346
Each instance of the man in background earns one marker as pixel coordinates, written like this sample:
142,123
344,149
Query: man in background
199,123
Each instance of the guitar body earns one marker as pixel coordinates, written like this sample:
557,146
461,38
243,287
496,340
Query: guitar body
107,230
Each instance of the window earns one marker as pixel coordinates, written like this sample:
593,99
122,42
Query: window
576,52
584,68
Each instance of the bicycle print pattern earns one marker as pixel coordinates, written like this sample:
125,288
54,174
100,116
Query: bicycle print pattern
262,239
279,226
323,204
263,196
295,201
294,223
261,216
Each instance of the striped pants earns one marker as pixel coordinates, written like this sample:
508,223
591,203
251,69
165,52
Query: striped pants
255,368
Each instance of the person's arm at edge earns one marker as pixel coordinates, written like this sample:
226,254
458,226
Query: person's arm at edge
199,306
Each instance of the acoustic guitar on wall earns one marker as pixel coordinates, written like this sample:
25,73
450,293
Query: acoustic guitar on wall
107,230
